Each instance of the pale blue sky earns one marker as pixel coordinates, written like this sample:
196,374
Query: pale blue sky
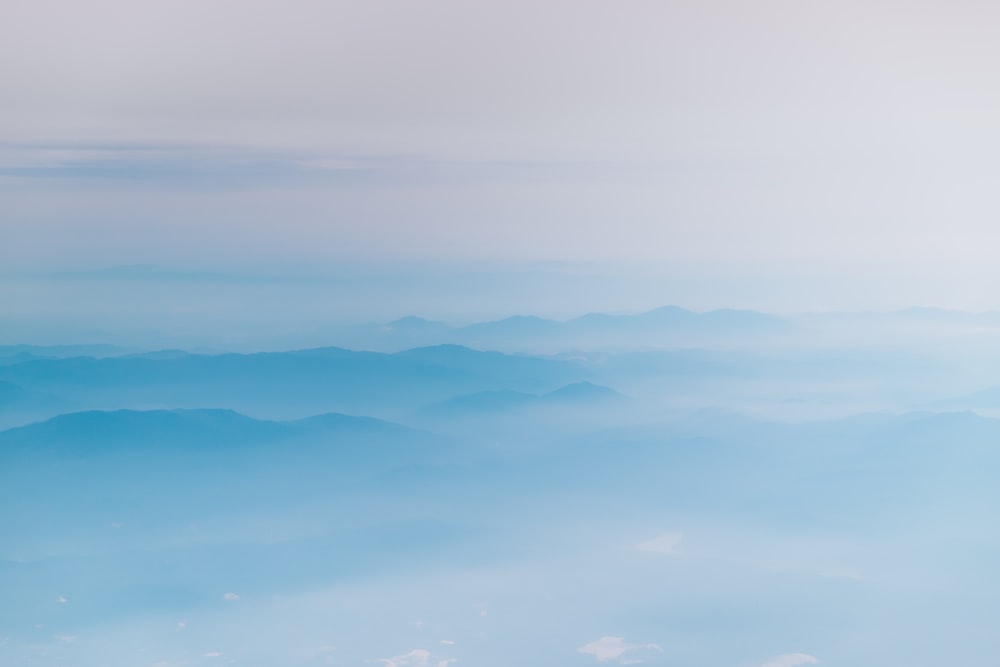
770,133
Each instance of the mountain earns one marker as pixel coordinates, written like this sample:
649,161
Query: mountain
583,392
158,354
102,432
337,423
314,380
984,399
13,354
666,326
486,402
86,432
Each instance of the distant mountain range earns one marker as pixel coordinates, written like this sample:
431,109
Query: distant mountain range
985,399
669,325
81,432
14,354
316,380
665,327
577,394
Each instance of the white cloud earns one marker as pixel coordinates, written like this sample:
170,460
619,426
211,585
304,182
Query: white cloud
791,660
665,544
230,597
613,648
418,657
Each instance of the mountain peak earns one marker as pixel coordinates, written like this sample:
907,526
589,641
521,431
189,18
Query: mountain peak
583,391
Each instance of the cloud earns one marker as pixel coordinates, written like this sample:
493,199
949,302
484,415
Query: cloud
418,657
614,648
791,660
230,597
665,544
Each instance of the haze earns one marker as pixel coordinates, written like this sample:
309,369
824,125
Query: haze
170,133
464,334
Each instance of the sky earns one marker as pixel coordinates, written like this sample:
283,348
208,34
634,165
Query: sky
225,176
851,135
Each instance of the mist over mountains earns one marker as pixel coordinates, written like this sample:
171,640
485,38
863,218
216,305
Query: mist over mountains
667,325
785,484
449,334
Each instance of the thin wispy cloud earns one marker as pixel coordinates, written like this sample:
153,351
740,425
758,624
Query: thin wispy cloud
791,660
417,657
667,544
615,648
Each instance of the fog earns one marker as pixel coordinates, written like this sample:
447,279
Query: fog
437,334
754,489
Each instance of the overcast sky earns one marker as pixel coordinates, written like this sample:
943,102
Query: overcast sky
212,132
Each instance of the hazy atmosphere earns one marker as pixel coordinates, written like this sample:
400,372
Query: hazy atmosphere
193,133
469,334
